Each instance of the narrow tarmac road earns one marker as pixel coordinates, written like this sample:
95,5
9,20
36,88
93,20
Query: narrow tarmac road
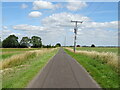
62,71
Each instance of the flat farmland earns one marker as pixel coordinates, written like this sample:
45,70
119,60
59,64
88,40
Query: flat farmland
100,62
98,49
22,65
8,52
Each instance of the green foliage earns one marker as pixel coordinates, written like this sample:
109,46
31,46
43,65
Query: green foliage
102,73
48,46
36,42
58,45
25,42
10,42
92,45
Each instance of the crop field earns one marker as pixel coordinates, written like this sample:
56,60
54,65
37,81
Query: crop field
101,64
98,49
22,65
8,52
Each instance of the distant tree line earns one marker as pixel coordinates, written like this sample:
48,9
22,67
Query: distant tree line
26,42
50,46
83,46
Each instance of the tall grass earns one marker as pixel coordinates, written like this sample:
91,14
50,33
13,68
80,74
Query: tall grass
104,74
17,49
8,52
8,55
18,76
107,57
16,60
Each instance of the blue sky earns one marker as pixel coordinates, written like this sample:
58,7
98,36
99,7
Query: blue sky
104,14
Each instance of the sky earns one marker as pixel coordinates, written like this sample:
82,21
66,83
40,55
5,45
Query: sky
52,21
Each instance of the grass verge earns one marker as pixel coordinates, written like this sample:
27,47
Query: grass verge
20,75
104,74
9,52
106,57
17,49
8,55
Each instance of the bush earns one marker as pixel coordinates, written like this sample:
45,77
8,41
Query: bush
92,45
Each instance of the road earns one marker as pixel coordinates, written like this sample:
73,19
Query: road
62,71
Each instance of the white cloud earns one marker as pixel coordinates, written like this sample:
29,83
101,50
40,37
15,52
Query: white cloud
74,6
23,6
26,27
99,33
103,25
44,5
35,14
63,19
4,27
97,37
55,27
5,32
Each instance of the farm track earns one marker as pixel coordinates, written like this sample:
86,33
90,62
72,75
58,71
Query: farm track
63,71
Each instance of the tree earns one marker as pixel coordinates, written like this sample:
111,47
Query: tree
11,42
36,42
49,46
92,45
58,45
25,42
78,45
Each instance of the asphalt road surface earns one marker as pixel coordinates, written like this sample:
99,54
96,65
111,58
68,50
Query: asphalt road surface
62,71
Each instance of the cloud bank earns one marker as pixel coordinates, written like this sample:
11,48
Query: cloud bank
58,26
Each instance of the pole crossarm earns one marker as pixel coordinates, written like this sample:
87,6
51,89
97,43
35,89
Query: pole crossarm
77,21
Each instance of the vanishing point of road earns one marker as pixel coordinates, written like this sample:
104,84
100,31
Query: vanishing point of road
62,71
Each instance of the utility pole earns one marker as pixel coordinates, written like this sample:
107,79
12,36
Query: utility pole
75,31
65,41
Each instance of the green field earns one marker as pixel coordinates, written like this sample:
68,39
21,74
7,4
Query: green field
8,52
17,49
103,73
27,64
98,49
17,72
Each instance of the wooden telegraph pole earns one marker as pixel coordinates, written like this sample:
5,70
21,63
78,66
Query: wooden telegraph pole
75,31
